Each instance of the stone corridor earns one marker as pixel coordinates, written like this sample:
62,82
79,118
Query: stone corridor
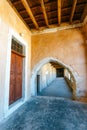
48,113
57,88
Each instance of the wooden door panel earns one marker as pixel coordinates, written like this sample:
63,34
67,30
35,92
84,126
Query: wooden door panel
12,79
15,78
12,96
18,93
19,64
18,88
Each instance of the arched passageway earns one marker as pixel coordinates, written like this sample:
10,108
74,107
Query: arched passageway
52,80
52,70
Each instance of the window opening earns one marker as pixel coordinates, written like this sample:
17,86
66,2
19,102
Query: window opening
17,47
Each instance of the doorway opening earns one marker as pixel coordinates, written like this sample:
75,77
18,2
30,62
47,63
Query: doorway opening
38,83
16,71
60,72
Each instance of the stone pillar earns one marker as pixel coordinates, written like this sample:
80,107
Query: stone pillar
49,73
54,73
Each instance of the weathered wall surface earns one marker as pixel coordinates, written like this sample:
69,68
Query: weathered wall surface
10,21
84,32
69,47
3,53
84,29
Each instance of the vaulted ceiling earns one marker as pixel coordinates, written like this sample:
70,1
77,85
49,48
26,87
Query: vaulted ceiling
38,14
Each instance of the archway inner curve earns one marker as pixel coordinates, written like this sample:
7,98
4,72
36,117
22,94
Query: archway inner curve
68,74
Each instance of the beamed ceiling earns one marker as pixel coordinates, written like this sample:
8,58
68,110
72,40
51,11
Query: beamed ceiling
56,65
37,14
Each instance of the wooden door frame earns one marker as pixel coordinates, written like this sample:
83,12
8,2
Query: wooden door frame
23,75
9,109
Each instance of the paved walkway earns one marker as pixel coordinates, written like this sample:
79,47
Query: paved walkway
58,88
47,113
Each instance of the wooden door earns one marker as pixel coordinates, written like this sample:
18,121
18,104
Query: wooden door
15,77
12,79
38,83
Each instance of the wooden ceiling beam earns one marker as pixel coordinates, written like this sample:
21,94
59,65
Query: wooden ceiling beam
38,23
43,21
57,66
73,10
28,9
64,9
46,4
84,13
50,20
59,11
44,12
64,16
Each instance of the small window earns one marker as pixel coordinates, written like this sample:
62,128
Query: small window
17,47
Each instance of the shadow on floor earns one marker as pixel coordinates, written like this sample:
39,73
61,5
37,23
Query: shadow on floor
58,88
47,113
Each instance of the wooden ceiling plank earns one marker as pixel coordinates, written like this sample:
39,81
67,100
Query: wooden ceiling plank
22,11
28,9
73,10
16,2
84,13
26,19
59,11
44,12
53,11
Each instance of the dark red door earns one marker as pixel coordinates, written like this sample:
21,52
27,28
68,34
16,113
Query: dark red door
15,77
38,83
12,79
19,68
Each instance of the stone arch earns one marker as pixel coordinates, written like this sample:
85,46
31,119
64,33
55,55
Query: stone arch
39,65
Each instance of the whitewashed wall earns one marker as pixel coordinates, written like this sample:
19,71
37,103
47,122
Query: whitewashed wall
6,34
47,75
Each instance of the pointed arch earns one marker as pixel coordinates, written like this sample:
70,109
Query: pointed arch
40,64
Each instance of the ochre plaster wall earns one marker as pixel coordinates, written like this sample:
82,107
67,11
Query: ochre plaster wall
84,32
10,21
8,15
67,46
84,29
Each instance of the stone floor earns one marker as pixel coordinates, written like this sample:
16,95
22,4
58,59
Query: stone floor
58,88
48,113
